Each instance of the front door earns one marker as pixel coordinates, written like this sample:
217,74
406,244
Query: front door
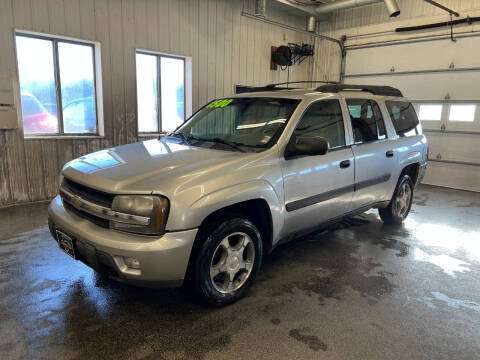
319,188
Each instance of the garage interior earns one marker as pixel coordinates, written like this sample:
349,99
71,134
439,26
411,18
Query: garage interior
355,290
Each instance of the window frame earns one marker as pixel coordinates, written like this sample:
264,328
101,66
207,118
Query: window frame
372,102
274,139
418,128
430,121
97,78
475,113
431,124
444,124
345,130
187,88
473,126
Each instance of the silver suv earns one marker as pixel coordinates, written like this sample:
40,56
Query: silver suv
202,205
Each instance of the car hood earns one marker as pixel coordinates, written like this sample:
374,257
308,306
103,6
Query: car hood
147,166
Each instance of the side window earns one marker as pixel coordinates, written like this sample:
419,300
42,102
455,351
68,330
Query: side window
367,120
404,117
57,75
323,118
160,92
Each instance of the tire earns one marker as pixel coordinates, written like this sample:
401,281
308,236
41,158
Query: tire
227,262
400,204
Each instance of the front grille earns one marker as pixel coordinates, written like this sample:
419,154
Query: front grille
94,219
89,194
94,196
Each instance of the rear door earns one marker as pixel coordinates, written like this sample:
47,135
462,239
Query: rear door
319,188
373,151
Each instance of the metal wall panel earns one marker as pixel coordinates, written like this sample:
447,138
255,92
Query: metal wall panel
376,13
226,49
373,19
415,56
428,86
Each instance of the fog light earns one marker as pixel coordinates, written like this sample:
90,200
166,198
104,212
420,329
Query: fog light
132,263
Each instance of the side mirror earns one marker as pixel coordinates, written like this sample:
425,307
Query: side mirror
306,145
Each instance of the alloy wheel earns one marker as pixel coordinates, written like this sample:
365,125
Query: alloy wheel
402,202
232,262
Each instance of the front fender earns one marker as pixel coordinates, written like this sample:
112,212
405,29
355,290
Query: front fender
193,215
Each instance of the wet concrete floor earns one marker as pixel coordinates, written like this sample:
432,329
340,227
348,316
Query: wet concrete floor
360,290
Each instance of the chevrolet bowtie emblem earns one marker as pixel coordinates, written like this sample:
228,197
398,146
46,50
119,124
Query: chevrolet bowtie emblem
76,202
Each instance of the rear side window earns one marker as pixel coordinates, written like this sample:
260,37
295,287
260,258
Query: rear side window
367,120
323,118
404,117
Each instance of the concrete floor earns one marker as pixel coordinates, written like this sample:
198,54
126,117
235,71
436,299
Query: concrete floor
357,291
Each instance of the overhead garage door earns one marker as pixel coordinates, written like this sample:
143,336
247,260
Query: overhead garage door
443,79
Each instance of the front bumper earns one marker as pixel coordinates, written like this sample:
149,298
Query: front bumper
163,260
421,173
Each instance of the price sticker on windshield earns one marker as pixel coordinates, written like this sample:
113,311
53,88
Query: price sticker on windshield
219,103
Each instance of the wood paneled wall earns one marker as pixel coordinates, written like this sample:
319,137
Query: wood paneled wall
226,49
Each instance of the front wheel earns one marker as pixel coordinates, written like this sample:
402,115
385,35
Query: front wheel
399,207
228,262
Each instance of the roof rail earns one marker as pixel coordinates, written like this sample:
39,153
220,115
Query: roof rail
271,87
375,90
275,87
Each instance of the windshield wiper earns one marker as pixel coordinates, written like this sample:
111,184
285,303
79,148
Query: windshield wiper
185,137
226,142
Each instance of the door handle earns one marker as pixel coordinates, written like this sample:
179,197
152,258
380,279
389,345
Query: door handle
345,164
389,153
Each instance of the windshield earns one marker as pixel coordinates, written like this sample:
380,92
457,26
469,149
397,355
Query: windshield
247,122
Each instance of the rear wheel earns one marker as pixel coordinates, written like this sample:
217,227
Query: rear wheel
228,262
399,207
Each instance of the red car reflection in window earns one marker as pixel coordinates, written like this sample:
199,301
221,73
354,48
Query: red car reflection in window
37,119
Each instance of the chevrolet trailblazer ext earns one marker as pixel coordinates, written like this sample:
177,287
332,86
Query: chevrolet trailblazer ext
205,203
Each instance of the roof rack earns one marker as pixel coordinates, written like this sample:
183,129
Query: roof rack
275,87
270,87
375,90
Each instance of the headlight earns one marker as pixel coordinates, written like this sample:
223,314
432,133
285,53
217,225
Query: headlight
151,207
60,180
